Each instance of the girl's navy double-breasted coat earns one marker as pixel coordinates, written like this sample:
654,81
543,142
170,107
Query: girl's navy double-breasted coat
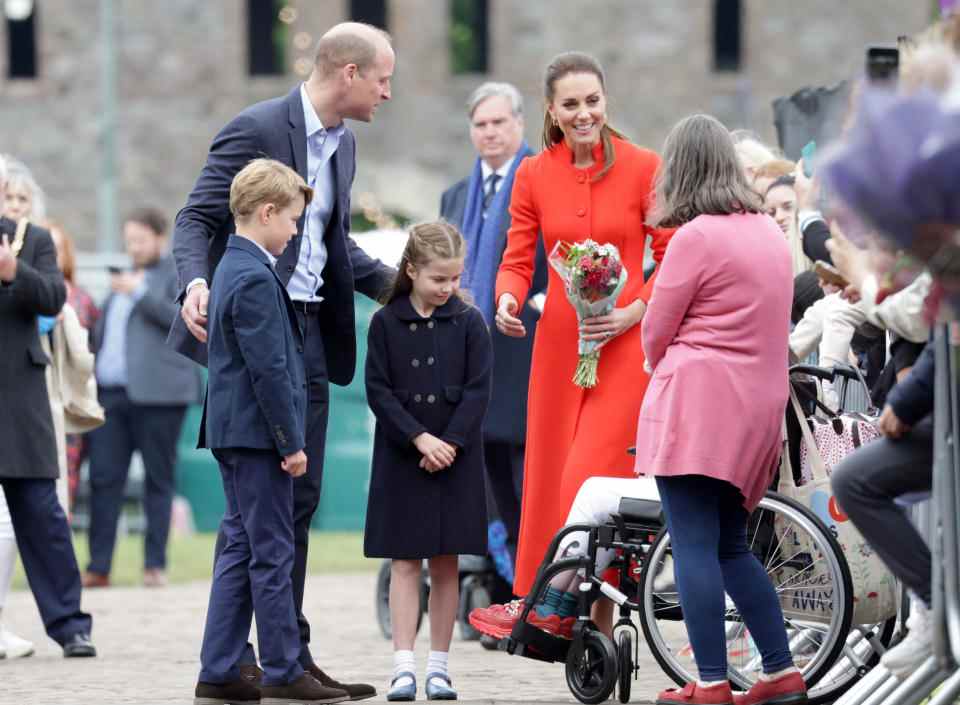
427,375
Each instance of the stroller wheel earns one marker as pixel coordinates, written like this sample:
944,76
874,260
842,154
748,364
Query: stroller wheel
592,668
383,600
624,666
490,643
473,594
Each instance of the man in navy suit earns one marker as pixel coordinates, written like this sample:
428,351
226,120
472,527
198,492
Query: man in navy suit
321,267
480,206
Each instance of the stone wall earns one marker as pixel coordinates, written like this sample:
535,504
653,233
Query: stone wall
182,74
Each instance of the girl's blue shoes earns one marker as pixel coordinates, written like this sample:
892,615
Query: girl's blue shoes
405,693
437,690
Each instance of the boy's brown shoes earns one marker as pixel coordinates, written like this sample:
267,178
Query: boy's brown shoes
233,693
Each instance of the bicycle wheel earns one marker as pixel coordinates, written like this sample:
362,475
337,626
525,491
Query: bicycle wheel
807,568
865,644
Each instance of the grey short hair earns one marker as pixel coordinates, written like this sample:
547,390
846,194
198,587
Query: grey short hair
17,173
491,89
3,172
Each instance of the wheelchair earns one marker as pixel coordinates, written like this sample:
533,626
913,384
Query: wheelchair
805,564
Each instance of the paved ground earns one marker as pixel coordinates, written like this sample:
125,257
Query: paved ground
149,641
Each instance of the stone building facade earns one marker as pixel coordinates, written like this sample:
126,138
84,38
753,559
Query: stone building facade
182,72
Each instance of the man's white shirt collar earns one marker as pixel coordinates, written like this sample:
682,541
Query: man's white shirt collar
486,170
311,121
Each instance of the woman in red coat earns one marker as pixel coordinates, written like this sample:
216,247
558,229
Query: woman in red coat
589,182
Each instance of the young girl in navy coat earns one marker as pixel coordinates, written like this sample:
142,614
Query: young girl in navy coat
428,382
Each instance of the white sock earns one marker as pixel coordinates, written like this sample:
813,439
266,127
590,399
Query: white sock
777,674
437,662
8,559
709,684
403,662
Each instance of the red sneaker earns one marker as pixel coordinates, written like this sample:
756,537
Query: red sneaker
789,689
496,620
692,694
553,624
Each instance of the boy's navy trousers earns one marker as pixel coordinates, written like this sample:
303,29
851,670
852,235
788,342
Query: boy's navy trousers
252,572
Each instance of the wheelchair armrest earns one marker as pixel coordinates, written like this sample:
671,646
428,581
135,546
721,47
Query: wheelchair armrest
640,511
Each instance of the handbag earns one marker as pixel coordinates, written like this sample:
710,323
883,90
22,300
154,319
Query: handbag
874,586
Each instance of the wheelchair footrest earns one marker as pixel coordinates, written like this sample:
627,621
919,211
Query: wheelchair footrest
527,640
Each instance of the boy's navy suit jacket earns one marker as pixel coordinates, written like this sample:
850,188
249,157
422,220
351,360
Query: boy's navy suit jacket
257,388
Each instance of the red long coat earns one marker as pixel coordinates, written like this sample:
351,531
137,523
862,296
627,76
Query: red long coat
572,433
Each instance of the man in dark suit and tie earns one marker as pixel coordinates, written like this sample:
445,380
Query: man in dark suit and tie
480,206
321,267
145,388
31,285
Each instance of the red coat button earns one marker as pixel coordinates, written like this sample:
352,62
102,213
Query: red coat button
581,212
581,178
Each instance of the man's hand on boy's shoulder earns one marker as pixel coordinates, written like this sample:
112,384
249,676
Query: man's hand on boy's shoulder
295,464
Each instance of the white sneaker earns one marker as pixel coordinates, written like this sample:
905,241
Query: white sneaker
13,646
909,654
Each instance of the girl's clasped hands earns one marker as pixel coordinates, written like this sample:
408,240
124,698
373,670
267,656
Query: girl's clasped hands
437,454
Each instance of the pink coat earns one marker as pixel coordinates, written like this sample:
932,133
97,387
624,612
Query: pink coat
715,334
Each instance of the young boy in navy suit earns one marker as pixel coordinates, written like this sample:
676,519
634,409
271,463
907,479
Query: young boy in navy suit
255,425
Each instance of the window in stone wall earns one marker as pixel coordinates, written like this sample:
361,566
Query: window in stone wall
727,33
370,11
469,36
20,16
267,30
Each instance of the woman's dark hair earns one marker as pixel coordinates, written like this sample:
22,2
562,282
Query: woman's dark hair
786,180
700,175
561,66
427,241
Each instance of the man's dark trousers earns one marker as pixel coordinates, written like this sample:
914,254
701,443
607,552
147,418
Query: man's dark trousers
46,549
504,463
867,483
306,489
153,430
252,572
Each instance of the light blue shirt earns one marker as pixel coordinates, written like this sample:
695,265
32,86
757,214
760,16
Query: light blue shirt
111,365
321,145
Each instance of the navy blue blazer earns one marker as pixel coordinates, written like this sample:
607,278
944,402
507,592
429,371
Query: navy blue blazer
275,129
257,387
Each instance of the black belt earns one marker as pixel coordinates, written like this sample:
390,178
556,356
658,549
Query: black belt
310,308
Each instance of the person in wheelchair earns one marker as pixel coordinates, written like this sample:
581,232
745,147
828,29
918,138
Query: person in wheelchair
710,428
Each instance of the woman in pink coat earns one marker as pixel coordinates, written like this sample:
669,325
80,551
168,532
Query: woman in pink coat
715,335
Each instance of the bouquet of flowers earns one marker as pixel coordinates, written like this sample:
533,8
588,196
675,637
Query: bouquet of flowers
593,278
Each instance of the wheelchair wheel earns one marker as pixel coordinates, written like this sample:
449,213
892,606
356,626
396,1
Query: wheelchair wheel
807,568
624,666
865,644
592,669
473,594
383,601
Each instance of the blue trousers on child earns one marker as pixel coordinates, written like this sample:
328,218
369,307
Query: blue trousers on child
708,531
252,575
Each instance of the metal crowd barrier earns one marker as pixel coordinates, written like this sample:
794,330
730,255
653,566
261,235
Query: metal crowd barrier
938,678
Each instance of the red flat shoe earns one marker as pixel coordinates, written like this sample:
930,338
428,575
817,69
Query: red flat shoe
789,689
692,694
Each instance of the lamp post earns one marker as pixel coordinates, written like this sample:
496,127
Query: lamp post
107,184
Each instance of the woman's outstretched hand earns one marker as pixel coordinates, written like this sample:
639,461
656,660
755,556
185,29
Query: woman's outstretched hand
506,318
